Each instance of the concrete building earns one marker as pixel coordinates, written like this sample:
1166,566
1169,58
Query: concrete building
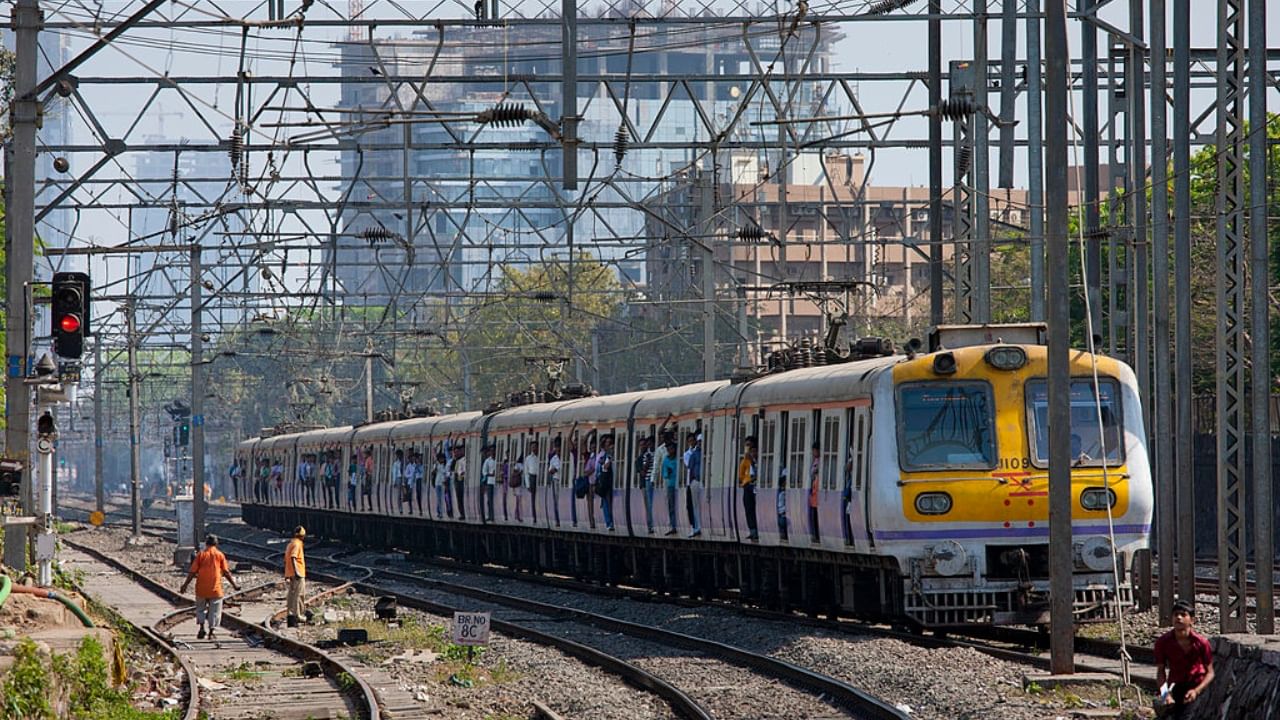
843,230
422,218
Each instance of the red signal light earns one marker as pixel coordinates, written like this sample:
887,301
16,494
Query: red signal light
69,323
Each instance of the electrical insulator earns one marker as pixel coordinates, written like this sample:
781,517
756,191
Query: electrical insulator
957,108
963,158
884,7
376,235
620,144
504,115
751,233
235,151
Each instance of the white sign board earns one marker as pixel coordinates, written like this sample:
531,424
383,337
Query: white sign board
471,628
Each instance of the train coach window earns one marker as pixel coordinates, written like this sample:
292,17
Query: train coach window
946,425
1088,438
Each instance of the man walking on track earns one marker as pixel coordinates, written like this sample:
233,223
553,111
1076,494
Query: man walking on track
295,571
207,569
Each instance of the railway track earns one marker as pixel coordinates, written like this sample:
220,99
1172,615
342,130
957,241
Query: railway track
1023,646
658,661
715,680
1019,646
250,671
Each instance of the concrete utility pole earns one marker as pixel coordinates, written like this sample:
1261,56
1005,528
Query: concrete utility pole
135,447
1061,591
197,400
99,491
20,184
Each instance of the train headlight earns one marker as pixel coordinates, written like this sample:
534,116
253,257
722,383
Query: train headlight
1006,357
1095,553
1096,498
933,503
949,558
944,364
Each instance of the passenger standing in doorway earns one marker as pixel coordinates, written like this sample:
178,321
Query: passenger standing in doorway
207,569
657,478
747,482
670,472
589,471
460,479
531,478
488,482
643,480
366,474
693,474
815,481
295,572
353,479
554,470
397,480
441,483
604,480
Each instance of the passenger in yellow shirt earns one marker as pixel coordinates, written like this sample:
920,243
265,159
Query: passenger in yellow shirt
207,569
295,571
747,481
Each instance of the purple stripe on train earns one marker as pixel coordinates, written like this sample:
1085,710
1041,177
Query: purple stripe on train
997,533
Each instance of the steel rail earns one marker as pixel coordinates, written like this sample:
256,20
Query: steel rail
842,694
332,666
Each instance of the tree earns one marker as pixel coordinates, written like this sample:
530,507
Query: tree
502,341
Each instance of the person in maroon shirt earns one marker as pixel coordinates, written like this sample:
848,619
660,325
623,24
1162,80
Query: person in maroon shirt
1184,658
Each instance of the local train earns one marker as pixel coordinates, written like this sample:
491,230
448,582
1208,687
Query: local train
910,486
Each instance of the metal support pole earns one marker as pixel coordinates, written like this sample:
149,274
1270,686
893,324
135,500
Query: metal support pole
1008,89
980,255
44,548
20,184
197,400
99,489
135,422
1140,306
1035,165
569,91
368,380
1230,333
1166,501
962,197
1183,437
1089,143
935,165
1260,272
1061,592
706,220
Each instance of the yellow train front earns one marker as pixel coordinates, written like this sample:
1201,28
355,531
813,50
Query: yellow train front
965,507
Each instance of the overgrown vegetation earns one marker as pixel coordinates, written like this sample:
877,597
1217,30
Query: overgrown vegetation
75,686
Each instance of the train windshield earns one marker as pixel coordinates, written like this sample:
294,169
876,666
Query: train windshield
949,424
1088,438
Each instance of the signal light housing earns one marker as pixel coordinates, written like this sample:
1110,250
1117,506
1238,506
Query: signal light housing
69,318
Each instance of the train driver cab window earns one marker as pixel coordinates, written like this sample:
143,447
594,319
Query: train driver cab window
946,425
1088,438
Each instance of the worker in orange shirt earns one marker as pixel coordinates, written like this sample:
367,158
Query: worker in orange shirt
295,571
207,569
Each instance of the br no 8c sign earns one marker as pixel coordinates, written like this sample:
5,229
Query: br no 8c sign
471,628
